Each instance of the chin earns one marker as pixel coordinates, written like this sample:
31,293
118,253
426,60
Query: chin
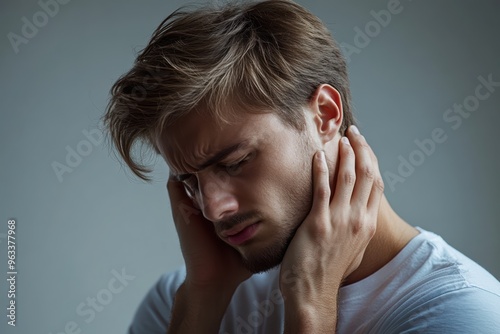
261,264
268,257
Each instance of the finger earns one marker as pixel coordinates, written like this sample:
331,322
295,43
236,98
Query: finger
175,190
365,173
183,208
346,176
321,184
378,186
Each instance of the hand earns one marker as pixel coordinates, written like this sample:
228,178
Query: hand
330,243
213,269
210,263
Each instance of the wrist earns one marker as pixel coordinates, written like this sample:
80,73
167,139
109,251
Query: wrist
309,319
314,312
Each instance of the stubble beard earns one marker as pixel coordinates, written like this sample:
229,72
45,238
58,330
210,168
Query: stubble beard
300,203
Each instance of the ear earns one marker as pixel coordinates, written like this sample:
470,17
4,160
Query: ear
326,106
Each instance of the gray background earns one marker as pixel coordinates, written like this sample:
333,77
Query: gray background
72,234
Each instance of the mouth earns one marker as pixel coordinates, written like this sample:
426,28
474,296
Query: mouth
240,234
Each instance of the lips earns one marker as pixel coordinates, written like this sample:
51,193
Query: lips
240,234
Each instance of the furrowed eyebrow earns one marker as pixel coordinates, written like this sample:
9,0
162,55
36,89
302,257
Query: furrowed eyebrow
216,158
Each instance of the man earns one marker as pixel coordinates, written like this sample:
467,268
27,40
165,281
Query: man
276,197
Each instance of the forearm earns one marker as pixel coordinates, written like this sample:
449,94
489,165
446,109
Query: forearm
305,315
197,310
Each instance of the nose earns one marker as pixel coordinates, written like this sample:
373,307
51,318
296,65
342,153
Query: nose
217,198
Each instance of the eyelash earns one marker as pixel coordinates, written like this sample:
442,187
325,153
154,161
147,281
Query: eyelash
226,167
235,165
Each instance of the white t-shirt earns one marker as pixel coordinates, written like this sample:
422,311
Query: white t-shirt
429,287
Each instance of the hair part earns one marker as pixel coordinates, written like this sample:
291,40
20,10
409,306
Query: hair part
266,56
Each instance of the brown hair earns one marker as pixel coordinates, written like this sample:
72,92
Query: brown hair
267,56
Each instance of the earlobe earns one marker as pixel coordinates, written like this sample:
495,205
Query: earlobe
328,114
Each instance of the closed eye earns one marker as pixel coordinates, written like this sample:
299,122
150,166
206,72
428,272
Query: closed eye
233,168
191,182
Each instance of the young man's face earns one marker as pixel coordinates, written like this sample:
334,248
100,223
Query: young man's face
255,206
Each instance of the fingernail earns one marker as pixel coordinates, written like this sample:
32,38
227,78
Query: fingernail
321,155
345,140
355,129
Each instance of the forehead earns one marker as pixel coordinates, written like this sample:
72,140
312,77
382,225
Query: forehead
197,136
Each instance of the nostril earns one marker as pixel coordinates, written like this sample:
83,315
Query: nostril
218,206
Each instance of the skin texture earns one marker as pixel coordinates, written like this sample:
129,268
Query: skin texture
317,216
273,185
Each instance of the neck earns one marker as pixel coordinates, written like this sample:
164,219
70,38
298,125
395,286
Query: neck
392,235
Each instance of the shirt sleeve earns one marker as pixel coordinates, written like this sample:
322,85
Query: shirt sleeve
468,310
153,314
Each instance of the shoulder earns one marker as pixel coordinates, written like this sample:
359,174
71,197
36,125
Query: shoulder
462,310
429,287
257,306
449,293
447,265
259,293
153,313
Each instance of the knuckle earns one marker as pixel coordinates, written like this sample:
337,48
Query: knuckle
367,172
349,178
363,223
318,230
356,227
323,192
379,184
371,229
357,223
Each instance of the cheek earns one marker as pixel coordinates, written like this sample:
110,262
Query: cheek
296,179
284,178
